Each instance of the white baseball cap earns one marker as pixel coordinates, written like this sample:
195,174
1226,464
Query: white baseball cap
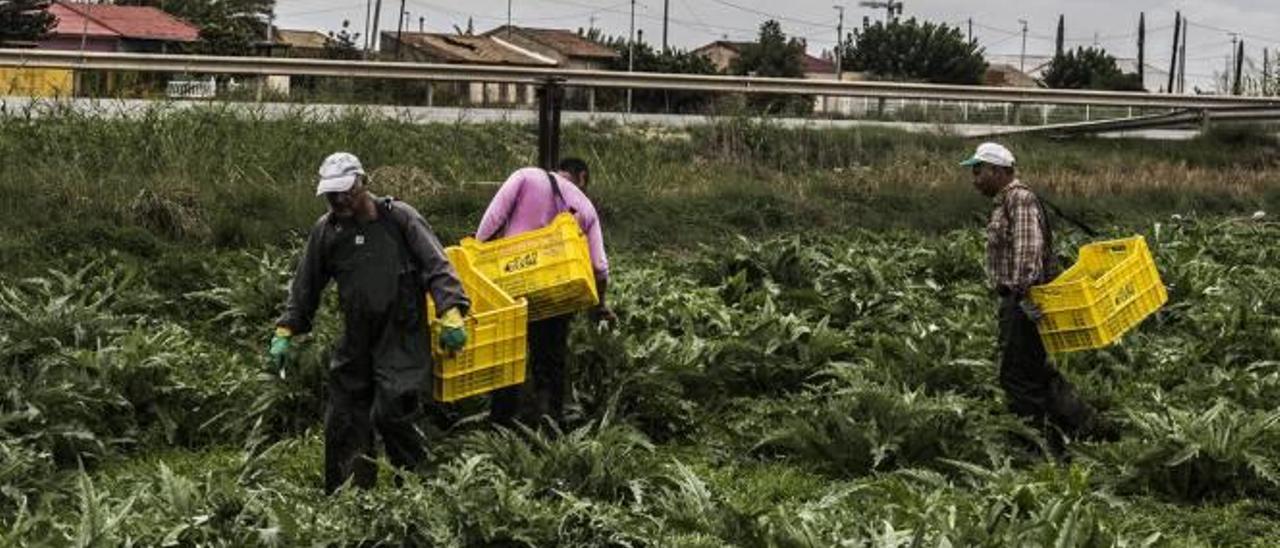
990,153
338,173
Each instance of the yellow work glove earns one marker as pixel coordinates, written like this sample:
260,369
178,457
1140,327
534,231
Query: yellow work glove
453,331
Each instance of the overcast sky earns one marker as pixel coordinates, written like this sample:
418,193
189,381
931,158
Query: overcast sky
695,22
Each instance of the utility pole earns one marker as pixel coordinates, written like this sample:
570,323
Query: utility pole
1173,58
1142,50
1022,59
375,31
1266,69
400,28
666,11
1236,89
1231,64
1182,59
839,40
631,50
508,18
368,8
971,31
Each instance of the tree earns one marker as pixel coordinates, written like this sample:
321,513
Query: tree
1061,38
24,20
774,55
1089,68
342,44
771,55
649,59
914,51
227,27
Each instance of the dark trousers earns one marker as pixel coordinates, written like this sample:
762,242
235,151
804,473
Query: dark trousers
375,382
543,392
1034,389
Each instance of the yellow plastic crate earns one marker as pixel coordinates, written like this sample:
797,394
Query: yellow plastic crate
551,267
497,324
1113,286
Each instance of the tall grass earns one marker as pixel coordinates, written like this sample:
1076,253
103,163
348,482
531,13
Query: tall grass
213,176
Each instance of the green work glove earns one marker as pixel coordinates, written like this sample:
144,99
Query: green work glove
453,331
279,351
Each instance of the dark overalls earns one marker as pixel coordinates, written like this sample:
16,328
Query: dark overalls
380,366
546,387
1033,388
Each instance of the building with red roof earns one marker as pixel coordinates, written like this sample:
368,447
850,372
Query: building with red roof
105,27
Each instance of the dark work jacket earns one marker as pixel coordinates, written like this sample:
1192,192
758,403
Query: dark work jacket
373,280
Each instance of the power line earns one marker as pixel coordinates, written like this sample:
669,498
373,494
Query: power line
612,8
502,18
692,25
1001,41
1245,35
700,24
1214,44
774,15
1207,57
482,17
1115,37
314,11
581,5
997,29
696,17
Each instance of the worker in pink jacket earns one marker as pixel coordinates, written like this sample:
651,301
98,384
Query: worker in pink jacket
528,200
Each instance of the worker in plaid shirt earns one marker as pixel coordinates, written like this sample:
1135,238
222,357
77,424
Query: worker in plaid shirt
1020,255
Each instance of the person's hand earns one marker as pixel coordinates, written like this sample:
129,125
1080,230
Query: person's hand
1030,308
278,352
453,331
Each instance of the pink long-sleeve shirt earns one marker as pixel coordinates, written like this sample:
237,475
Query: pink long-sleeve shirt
526,202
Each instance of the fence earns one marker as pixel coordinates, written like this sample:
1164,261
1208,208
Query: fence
192,89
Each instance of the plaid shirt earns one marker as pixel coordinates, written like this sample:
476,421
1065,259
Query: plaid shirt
1018,241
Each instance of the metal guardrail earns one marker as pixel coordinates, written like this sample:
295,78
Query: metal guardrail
1174,119
200,64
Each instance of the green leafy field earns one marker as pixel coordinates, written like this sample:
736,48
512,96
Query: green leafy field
775,381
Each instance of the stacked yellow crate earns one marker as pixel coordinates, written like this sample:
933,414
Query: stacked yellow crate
496,326
1113,286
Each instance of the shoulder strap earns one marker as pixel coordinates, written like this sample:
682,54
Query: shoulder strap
1057,211
1052,264
555,188
386,215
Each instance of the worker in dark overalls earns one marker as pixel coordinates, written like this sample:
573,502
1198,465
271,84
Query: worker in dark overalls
384,258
